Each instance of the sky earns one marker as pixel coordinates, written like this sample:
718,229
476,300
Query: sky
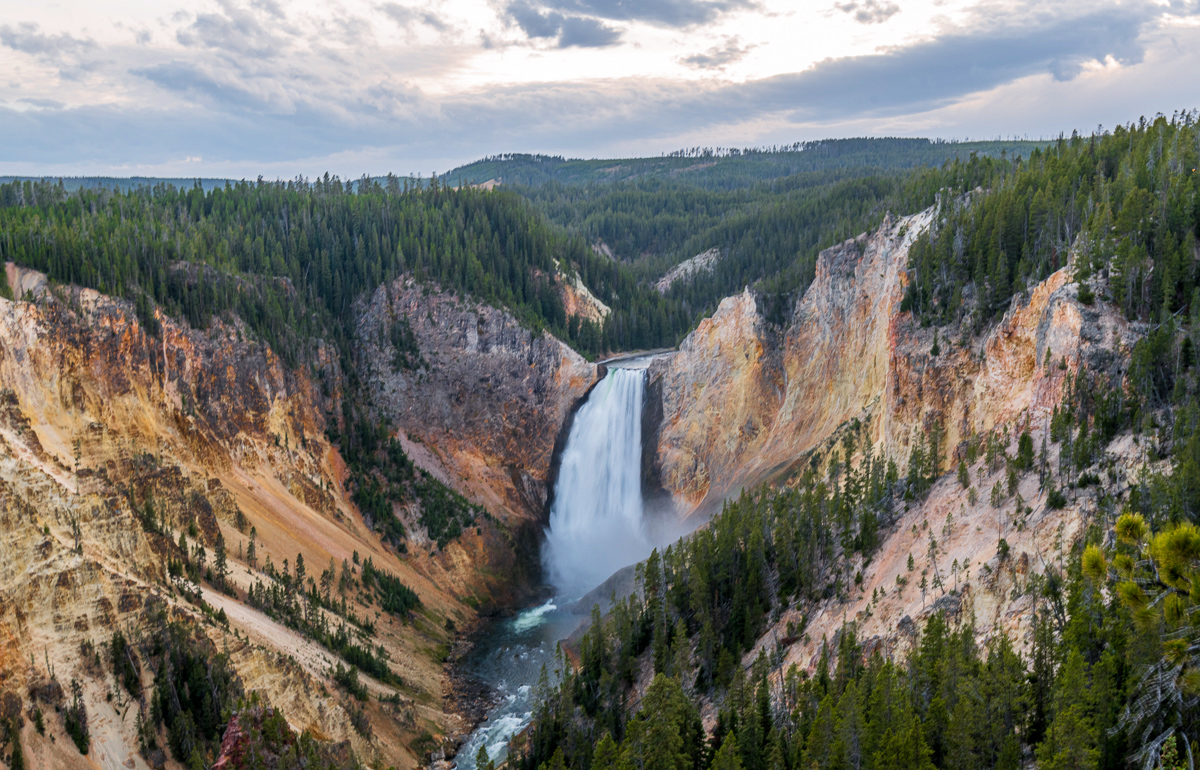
242,88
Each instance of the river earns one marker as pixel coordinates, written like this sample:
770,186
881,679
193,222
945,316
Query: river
509,655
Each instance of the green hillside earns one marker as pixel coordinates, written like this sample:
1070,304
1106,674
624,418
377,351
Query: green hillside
719,168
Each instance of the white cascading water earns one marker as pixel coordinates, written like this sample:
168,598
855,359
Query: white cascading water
596,520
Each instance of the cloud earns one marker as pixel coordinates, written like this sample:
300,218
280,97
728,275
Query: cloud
314,104
719,57
869,11
72,57
219,89
234,30
580,23
271,7
963,62
534,23
666,13
28,38
569,31
586,33
933,73
52,104
406,17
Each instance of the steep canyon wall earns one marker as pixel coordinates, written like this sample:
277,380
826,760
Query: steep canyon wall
743,399
101,421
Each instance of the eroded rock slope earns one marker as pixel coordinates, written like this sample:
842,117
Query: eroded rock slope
109,434
744,401
485,401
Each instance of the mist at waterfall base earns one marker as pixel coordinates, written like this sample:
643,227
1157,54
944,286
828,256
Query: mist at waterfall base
596,520
596,527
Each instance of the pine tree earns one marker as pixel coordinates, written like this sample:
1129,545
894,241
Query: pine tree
819,747
16,760
605,756
252,549
220,567
1070,737
728,757
903,746
681,655
848,746
484,762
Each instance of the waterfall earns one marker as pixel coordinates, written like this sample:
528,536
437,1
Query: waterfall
596,518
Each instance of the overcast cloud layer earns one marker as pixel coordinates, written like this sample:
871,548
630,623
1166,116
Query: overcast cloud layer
249,87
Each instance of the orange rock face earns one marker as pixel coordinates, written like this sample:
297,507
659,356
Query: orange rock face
771,394
743,400
213,432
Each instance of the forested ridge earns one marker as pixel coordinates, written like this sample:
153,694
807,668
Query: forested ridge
728,168
1109,676
1125,200
1130,192
768,236
291,257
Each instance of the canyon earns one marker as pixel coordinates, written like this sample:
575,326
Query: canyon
101,418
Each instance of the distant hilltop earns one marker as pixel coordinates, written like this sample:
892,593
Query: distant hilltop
73,183
714,167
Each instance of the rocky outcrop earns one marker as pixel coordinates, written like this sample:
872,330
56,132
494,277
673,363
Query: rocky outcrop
743,399
720,395
701,263
989,565
486,400
578,300
1014,373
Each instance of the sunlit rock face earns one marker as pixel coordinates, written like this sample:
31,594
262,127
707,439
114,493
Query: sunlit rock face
103,426
100,418
744,399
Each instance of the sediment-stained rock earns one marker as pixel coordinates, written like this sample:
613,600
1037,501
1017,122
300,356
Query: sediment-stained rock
209,433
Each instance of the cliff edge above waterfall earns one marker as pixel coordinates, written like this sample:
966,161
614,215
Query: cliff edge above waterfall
743,398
